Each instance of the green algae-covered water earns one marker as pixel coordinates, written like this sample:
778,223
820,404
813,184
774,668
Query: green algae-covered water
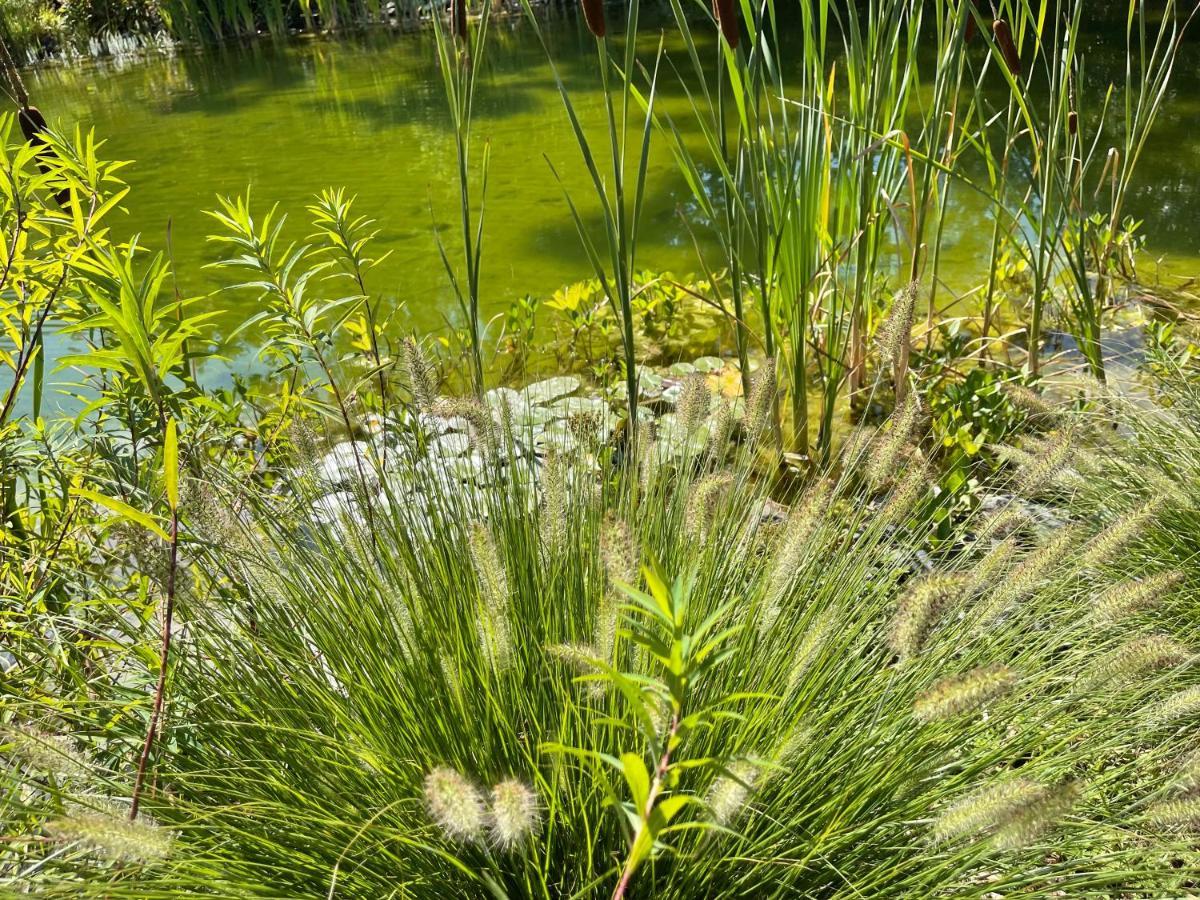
288,119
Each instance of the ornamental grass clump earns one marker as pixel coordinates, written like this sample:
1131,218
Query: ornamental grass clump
339,720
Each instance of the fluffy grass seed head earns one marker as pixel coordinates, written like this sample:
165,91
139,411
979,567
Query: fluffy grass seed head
991,567
495,632
985,809
1183,704
1134,658
1126,598
1028,576
1108,543
581,659
703,502
1029,401
1046,465
728,794
720,431
1002,523
792,550
556,504
1033,819
420,372
110,834
896,330
959,694
918,609
1187,775
42,752
760,404
816,636
455,805
515,814
1183,813
1013,812
695,401
891,447
912,487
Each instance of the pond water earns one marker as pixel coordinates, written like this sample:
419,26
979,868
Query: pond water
288,119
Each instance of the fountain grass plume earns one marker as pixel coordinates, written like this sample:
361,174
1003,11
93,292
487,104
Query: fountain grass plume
704,502
695,402
891,446
1182,813
455,805
1118,535
1012,813
729,794
1040,566
42,751
1129,597
1183,704
918,609
760,403
111,835
1134,658
986,808
964,693
495,630
420,372
794,546
516,815
817,634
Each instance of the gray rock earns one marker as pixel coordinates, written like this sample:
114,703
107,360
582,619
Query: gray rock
551,389
448,445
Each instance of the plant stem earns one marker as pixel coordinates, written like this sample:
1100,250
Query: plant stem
163,659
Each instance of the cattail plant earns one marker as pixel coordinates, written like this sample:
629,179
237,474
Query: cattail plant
593,14
725,12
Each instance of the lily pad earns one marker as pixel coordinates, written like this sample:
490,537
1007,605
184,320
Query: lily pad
709,364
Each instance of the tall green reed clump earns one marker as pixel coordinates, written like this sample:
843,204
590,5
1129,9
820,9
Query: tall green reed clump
834,183
459,56
204,21
613,257
528,684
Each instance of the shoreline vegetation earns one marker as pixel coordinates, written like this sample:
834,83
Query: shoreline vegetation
874,601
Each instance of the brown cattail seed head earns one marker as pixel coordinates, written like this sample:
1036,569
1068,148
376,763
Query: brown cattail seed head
593,12
33,123
458,19
1004,40
724,10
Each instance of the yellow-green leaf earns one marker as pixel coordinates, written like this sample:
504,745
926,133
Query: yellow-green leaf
171,464
124,510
